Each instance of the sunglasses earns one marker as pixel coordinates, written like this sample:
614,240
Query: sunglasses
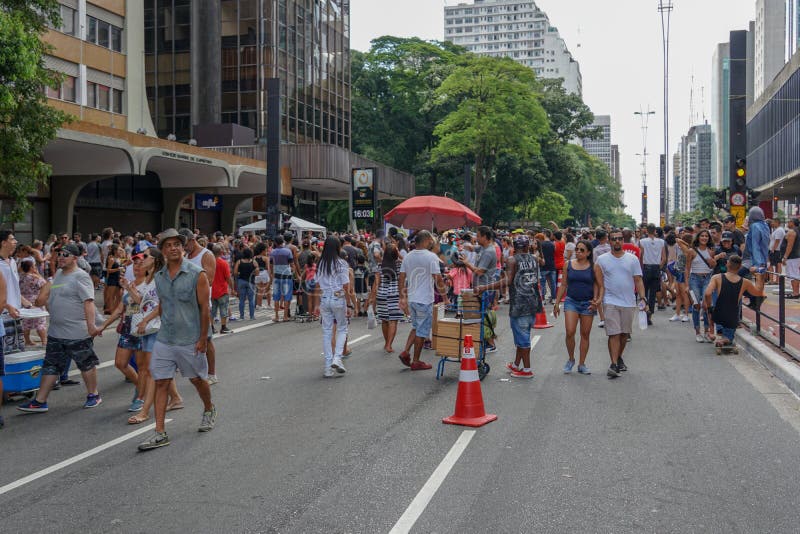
581,250
615,239
64,254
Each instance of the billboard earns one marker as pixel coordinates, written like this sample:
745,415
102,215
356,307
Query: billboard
364,193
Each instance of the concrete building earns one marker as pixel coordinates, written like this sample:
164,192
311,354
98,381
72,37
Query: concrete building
792,31
114,165
769,42
615,165
720,117
517,29
601,147
677,190
694,166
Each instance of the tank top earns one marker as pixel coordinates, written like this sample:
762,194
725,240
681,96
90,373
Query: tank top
699,265
523,293
580,283
795,252
198,260
726,310
246,270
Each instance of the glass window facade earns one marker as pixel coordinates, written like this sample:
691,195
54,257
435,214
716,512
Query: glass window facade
306,44
773,136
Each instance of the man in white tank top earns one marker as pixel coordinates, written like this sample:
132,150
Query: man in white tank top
203,258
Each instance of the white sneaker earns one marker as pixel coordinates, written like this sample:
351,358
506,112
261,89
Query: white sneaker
674,318
330,373
212,379
684,318
699,338
601,324
337,366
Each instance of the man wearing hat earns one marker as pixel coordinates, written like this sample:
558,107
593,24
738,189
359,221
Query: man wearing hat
182,341
70,336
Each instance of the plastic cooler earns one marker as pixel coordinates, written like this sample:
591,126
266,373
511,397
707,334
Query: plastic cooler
23,371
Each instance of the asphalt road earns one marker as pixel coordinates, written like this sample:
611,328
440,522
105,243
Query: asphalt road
685,441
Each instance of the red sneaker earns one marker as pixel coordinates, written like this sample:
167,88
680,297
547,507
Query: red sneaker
405,358
522,374
420,366
510,366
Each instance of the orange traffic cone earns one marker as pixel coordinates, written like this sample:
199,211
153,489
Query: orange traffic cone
469,400
541,321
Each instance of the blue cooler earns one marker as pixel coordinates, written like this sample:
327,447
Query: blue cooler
23,371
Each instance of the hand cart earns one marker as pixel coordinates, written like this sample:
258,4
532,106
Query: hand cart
448,333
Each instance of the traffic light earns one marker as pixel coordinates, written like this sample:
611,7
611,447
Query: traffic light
721,199
752,197
741,174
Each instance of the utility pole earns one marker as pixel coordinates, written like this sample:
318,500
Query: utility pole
645,118
665,7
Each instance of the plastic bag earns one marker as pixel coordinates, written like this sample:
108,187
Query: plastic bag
642,320
371,321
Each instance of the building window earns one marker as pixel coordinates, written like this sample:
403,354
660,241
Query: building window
63,91
68,16
103,34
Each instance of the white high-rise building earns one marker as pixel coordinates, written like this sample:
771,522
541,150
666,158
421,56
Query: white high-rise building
770,43
517,29
601,147
720,114
693,160
792,28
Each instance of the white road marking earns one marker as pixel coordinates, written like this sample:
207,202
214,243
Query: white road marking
534,341
76,372
423,498
75,459
244,329
356,340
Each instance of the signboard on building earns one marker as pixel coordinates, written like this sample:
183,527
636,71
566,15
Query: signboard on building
364,193
207,202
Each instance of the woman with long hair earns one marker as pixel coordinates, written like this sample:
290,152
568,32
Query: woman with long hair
244,272
580,287
700,265
333,284
113,290
385,295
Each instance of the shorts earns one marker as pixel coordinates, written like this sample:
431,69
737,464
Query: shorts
521,328
581,307
59,352
282,289
220,304
421,318
680,277
148,342
619,319
130,342
793,268
96,269
775,257
166,359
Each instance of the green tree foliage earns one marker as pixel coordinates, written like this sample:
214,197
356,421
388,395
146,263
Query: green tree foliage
549,206
27,123
498,113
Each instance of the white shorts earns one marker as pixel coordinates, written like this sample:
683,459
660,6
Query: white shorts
793,268
167,358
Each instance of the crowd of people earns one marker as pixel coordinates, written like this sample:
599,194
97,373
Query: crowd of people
165,293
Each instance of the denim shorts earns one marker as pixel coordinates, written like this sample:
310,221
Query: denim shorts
680,277
130,342
59,352
521,328
220,304
148,342
581,307
421,318
282,289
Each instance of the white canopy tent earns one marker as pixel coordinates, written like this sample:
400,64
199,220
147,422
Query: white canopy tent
295,223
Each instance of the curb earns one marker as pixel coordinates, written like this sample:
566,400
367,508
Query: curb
776,363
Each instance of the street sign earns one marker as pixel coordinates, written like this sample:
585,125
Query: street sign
738,199
739,212
363,193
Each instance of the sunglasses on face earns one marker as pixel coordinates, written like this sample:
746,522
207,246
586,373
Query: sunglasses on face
616,239
64,254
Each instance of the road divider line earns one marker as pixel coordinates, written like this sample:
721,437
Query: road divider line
75,459
356,340
244,329
534,341
423,498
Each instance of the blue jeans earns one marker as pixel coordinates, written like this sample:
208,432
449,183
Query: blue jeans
727,333
521,329
549,278
698,284
333,308
245,291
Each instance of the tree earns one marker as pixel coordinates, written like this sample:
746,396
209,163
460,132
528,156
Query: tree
549,206
498,113
706,195
569,117
27,123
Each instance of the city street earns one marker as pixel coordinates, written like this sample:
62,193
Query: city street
685,441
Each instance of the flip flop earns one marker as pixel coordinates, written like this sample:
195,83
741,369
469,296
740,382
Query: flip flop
136,419
175,406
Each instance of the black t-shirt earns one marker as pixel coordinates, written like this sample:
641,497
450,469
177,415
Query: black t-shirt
352,255
721,266
246,270
549,254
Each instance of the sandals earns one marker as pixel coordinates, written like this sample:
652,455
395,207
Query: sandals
175,405
137,419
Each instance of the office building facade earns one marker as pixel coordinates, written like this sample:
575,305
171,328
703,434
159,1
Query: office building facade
601,147
769,43
517,29
720,116
695,165
792,31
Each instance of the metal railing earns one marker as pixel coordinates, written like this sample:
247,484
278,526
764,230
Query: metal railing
780,320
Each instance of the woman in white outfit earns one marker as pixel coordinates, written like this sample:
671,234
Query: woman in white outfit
335,305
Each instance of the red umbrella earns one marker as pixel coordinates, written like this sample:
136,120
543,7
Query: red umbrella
427,212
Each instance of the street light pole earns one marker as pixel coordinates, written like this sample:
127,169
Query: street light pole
645,118
665,7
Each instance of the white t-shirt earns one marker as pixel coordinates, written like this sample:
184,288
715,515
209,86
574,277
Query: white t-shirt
569,251
335,281
8,269
420,266
618,276
777,235
600,249
651,250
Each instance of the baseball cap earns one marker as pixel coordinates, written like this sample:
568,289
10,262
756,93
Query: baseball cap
729,218
727,236
72,249
141,246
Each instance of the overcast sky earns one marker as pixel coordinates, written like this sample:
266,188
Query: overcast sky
618,45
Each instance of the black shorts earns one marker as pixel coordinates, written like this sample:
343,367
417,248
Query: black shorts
775,257
97,269
59,352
